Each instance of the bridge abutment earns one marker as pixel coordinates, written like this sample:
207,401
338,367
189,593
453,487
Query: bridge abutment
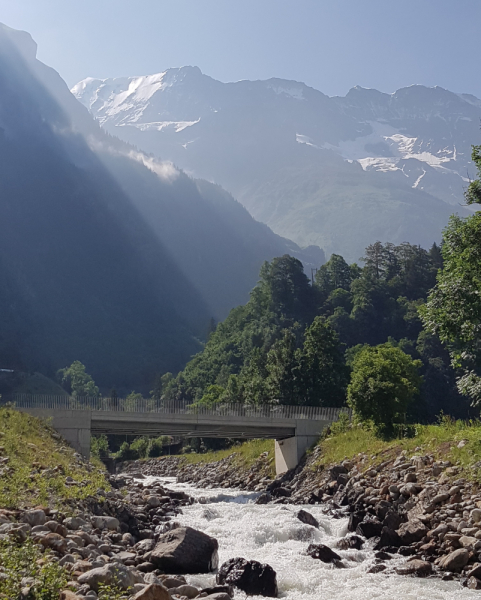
288,452
73,425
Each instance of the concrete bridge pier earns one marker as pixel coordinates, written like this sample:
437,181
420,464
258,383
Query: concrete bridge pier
289,451
73,425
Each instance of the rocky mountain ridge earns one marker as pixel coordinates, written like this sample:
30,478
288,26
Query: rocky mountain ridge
301,161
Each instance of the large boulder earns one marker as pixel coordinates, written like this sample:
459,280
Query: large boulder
411,532
369,527
185,550
307,518
388,538
455,561
125,577
250,576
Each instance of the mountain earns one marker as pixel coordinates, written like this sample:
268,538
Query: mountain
339,172
107,256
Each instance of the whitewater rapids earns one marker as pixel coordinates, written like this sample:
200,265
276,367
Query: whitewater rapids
272,534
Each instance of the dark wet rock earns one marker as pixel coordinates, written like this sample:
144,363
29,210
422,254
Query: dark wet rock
388,538
382,508
264,498
383,556
250,576
219,589
392,520
185,550
349,542
281,492
369,527
354,520
307,518
322,552
377,568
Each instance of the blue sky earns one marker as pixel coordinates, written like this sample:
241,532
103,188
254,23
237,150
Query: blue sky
331,45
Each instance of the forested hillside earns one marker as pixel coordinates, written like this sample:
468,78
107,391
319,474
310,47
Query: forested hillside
294,342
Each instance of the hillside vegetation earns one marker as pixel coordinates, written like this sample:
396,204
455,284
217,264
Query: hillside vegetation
38,468
296,343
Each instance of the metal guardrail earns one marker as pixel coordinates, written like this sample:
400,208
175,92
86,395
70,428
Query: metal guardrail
148,405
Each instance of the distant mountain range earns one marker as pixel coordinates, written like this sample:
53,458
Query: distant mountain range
338,172
107,255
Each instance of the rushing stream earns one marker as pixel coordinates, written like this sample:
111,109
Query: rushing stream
273,534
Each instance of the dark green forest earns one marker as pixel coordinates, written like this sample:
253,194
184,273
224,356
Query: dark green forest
295,341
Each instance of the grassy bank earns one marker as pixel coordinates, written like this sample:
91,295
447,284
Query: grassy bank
35,465
245,455
441,441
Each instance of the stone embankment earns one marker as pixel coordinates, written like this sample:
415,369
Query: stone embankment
130,538
418,507
225,473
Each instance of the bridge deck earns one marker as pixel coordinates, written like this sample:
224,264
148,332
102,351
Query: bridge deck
192,425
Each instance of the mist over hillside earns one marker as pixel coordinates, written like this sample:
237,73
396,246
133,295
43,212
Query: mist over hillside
338,172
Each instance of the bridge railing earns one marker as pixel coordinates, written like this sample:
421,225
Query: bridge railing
151,405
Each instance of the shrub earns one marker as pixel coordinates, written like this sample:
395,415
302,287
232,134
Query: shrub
384,382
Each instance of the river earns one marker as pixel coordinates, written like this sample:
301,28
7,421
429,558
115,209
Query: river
272,534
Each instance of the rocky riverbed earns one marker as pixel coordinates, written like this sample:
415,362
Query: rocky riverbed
407,525
419,510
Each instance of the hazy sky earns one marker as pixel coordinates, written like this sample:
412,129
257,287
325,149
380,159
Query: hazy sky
331,45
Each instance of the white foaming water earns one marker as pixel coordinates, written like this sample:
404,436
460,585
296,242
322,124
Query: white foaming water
272,534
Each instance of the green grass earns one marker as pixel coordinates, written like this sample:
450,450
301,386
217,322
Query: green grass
37,465
245,455
441,441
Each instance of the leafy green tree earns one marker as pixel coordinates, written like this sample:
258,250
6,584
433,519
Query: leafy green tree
384,382
453,309
77,381
283,382
473,193
132,401
213,395
323,369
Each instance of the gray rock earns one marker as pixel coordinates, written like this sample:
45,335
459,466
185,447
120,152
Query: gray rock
153,591
185,590
454,561
74,523
419,568
185,550
106,523
411,532
34,517
106,575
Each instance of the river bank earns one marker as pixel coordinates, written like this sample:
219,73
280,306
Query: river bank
404,500
403,519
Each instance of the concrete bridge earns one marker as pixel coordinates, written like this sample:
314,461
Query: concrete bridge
294,428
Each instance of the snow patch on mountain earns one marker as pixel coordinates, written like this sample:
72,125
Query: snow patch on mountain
177,126
391,147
